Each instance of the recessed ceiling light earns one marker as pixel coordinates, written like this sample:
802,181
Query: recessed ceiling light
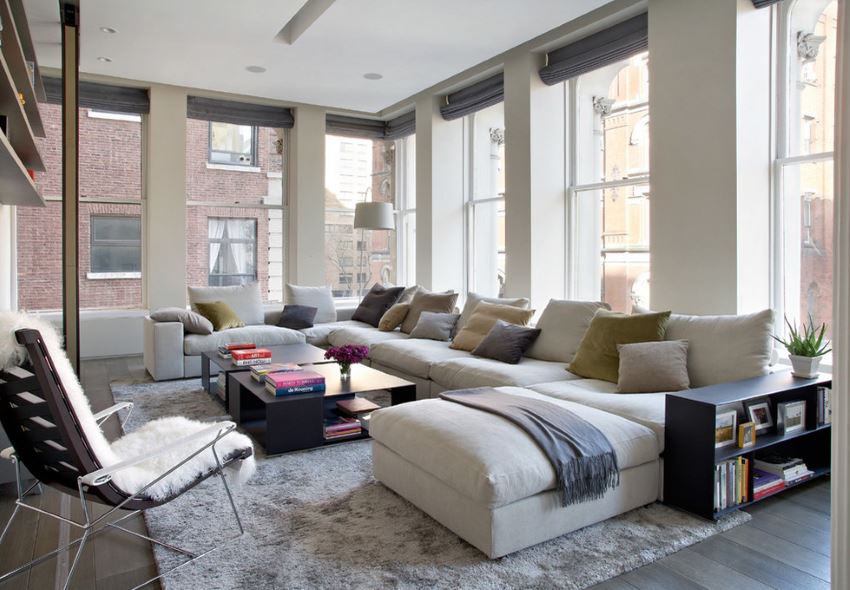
105,60
256,69
109,30
373,76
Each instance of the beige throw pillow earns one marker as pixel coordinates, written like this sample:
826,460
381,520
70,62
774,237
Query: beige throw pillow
393,317
650,367
473,299
425,301
482,321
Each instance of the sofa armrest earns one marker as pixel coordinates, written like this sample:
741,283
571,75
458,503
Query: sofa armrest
163,349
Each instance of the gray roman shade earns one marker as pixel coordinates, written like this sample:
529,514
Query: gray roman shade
600,49
474,98
239,113
765,3
397,128
102,97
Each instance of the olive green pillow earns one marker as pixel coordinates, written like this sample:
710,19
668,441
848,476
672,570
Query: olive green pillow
597,356
220,314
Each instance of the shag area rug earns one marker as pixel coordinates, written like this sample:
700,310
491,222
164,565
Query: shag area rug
318,519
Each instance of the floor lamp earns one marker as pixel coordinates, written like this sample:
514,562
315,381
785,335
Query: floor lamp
371,216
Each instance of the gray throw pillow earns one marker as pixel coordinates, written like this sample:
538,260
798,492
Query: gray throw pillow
376,303
650,367
506,342
297,317
427,301
435,326
193,322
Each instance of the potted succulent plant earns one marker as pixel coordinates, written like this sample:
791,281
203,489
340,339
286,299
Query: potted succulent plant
806,347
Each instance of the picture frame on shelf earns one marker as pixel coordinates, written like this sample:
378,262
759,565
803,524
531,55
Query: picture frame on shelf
725,429
790,417
746,435
758,411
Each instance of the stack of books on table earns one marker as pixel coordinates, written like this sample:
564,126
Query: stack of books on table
730,483
259,372
251,356
341,427
359,408
225,350
787,469
294,382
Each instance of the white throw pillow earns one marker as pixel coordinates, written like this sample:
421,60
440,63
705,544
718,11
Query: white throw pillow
319,297
245,300
473,299
724,348
563,324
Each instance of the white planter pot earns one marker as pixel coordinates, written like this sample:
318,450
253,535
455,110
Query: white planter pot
805,366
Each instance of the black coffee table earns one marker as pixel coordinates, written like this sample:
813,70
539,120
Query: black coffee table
293,422
300,354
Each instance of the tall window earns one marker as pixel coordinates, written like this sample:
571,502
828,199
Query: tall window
610,183
804,169
111,215
484,133
406,206
358,170
233,144
235,215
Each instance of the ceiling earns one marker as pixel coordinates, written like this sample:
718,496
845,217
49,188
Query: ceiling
208,44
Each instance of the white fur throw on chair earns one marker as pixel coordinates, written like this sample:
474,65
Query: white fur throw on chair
155,434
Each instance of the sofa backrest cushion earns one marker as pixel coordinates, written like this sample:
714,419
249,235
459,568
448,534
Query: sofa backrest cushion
724,347
563,324
426,301
482,321
245,300
193,322
473,299
319,297
376,303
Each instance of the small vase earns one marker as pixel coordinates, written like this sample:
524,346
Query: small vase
345,371
805,366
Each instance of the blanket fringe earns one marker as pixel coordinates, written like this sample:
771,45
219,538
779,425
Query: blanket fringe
587,478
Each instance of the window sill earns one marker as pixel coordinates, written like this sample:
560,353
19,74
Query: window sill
102,276
233,168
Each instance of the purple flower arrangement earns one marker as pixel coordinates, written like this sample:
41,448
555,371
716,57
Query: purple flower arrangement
346,356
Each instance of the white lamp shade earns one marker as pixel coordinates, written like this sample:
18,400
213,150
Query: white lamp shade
374,216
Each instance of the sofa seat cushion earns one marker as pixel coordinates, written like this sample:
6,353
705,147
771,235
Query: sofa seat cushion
365,336
646,409
195,344
319,333
414,356
487,458
479,372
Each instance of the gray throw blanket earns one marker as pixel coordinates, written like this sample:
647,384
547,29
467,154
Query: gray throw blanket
582,456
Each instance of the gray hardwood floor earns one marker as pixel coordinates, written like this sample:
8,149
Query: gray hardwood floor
786,545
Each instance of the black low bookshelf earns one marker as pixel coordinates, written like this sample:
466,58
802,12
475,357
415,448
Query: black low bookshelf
690,455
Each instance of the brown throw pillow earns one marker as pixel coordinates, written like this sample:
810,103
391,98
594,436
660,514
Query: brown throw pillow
649,367
393,318
597,356
483,319
220,314
376,303
425,301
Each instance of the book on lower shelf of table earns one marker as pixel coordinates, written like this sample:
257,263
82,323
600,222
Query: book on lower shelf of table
225,350
731,483
341,426
294,382
251,357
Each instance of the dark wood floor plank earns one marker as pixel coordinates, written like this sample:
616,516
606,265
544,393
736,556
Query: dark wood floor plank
792,511
136,367
756,565
614,584
18,547
707,572
813,499
655,577
117,556
794,555
816,540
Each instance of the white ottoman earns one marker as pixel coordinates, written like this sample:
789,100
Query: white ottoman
486,480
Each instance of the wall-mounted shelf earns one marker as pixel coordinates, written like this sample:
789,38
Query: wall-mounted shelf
16,61
18,130
23,28
17,187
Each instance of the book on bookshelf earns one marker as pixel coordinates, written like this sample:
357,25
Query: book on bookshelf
786,468
824,407
259,372
731,483
356,406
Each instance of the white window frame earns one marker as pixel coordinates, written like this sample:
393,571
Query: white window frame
405,208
